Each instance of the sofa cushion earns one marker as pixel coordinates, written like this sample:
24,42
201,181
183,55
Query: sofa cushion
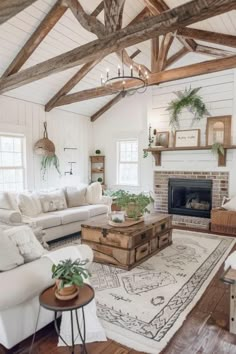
76,196
10,216
27,243
25,282
44,220
95,210
10,256
5,201
94,193
73,214
29,204
53,201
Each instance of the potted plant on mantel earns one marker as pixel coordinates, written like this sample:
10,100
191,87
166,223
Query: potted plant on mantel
70,276
134,205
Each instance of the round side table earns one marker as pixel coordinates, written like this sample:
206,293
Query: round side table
48,300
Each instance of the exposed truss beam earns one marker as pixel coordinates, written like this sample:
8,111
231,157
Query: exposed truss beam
86,68
169,21
175,57
113,15
214,52
107,106
156,78
98,9
143,14
165,46
10,8
36,38
154,54
207,36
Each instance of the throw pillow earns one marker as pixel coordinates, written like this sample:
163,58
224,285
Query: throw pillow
9,254
5,201
10,216
24,238
76,196
29,204
94,193
231,205
52,201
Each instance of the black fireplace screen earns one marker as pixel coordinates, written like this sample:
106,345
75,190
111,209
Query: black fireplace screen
190,197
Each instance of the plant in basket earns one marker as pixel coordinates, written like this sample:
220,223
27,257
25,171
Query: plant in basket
70,276
135,205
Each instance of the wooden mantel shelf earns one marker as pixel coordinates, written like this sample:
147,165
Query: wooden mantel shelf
156,152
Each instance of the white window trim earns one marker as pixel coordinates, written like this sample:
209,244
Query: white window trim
128,162
23,149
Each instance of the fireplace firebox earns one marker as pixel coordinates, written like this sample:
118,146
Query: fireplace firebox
192,197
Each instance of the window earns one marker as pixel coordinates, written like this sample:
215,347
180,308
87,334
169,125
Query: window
127,162
12,170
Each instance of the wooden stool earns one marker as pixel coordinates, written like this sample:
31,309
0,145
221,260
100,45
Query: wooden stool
229,277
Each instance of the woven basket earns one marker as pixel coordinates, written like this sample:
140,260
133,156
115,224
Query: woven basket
44,146
223,221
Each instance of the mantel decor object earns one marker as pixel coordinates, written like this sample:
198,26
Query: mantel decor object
162,139
190,100
218,130
187,138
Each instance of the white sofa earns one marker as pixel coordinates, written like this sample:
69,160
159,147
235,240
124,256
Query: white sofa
28,208
19,298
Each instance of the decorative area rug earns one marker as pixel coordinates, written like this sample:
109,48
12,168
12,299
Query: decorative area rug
143,308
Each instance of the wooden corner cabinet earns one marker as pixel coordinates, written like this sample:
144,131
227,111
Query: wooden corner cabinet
97,168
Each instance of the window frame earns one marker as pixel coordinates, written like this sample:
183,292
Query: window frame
23,156
118,162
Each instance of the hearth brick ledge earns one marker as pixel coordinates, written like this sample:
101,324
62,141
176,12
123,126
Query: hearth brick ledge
220,189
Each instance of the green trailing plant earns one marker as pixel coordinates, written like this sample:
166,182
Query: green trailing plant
135,205
190,100
70,272
218,148
49,161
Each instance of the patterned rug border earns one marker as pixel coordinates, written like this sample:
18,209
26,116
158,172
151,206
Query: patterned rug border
226,244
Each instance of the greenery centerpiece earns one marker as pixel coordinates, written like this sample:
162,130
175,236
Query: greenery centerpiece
69,275
189,99
135,205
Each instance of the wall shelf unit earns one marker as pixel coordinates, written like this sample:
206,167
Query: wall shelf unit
157,152
97,168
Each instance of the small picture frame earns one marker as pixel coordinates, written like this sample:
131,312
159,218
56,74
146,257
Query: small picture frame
218,130
187,138
162,139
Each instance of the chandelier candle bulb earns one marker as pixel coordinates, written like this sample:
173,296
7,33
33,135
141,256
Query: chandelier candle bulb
131,70
107,73
139,71
119,70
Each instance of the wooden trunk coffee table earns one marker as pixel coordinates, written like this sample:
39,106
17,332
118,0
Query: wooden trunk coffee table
126,247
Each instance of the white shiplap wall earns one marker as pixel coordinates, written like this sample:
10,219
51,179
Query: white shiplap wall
65,129
218,92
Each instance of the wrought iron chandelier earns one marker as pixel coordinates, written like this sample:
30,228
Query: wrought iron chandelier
125,83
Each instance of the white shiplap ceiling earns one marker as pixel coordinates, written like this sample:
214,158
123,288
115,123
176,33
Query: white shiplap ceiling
68,34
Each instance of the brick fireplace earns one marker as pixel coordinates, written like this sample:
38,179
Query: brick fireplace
219,181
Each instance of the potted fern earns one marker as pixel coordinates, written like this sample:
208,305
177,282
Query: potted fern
70,276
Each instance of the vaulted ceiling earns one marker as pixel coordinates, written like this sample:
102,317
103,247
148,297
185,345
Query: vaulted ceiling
54,27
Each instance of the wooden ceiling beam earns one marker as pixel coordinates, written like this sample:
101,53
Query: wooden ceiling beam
175,57
165,46
10,8
143,14
86,68
169,21
36,38
113,15
214,52
154,54
205,67
98,9
207,36
107,106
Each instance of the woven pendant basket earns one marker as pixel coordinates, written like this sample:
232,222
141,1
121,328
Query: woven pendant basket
44,146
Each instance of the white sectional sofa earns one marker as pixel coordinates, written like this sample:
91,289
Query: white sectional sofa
59,213
19,298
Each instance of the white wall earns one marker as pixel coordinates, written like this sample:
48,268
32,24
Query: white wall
65,129
132,116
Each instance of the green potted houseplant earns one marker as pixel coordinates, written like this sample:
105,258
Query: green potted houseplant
135,205
69,276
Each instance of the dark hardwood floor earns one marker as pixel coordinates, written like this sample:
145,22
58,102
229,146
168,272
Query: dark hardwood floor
205,331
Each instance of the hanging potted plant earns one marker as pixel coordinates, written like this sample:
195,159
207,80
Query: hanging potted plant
190,100
70,276
46,148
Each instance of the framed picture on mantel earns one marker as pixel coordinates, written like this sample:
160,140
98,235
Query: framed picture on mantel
187,138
